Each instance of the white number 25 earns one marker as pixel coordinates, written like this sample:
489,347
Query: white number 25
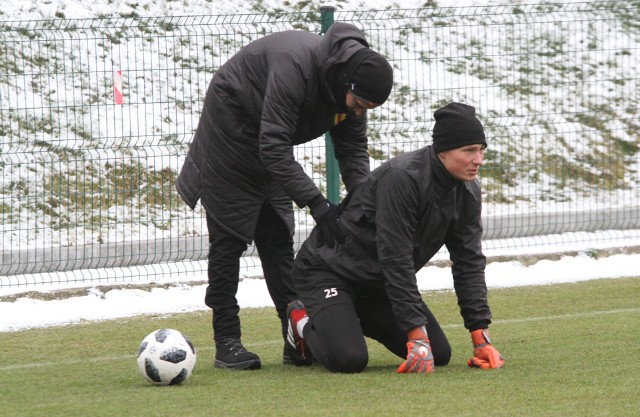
330,292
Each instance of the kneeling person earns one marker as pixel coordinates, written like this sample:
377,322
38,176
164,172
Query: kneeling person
395,222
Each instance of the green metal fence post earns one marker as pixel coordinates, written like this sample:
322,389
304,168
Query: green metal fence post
332,169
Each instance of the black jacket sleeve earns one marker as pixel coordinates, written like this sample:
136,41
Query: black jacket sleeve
350,145
464,242
283,99
396,221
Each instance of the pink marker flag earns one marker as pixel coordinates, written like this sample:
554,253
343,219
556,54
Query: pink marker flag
117,86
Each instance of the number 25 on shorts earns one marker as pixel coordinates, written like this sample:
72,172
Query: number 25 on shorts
330,292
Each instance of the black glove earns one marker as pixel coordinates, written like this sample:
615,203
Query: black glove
327,216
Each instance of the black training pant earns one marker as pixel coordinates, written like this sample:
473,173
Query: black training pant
275,248
338,325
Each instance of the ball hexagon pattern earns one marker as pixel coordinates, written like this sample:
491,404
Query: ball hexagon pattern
166,357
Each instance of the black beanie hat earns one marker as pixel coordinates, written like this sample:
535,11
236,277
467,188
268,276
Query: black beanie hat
372,76
457,126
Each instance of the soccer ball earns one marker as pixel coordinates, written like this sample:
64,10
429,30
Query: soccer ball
166,357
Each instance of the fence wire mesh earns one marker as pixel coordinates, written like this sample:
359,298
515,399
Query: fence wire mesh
96,116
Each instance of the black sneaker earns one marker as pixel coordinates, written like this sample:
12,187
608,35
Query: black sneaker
230,354
296,350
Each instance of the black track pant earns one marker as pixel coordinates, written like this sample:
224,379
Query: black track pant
337,329
275,248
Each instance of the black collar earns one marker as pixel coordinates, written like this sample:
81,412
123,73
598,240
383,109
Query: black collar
444,181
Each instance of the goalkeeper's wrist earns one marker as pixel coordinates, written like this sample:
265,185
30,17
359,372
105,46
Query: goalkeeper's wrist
417,333
480,338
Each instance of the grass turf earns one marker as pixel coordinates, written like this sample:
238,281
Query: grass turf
570,350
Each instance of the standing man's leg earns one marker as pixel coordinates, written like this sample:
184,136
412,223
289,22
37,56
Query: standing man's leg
223,272
274,242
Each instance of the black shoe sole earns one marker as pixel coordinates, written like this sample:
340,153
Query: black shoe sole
248,365
291,357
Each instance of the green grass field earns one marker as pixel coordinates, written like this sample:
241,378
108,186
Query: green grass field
570,350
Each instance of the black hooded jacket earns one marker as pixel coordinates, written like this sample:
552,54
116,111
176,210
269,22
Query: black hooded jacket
397,221
272,95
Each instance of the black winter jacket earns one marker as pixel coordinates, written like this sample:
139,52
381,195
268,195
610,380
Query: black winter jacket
269,97
397,221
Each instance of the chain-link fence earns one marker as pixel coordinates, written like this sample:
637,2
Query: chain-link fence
96,116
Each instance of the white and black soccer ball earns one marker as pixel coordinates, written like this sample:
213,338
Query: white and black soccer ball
166,357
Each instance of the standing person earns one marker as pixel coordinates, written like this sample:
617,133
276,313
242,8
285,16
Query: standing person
279,91
395,222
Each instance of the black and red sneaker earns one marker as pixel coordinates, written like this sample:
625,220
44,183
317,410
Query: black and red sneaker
296,350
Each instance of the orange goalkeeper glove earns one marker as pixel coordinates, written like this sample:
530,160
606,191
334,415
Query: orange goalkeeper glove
419,354
485,356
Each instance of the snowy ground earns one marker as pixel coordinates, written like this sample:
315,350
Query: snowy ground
27,312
